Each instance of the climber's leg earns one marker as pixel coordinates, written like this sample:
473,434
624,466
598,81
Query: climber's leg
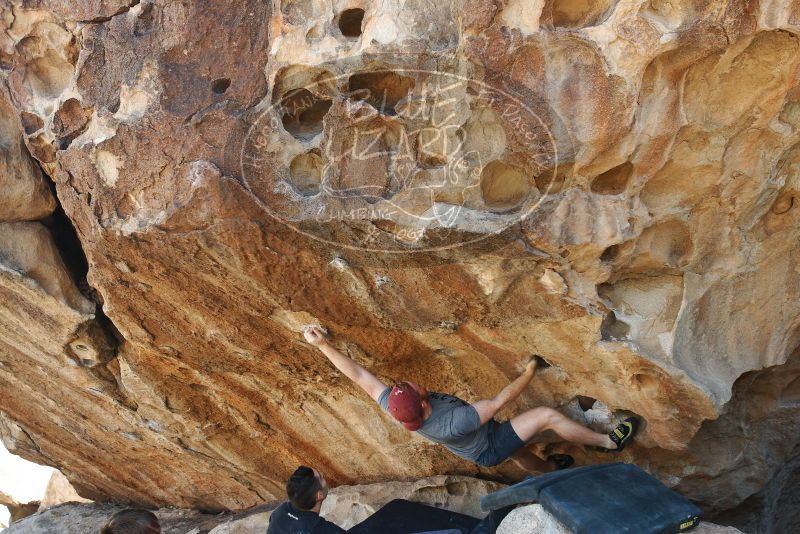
530,423
528,461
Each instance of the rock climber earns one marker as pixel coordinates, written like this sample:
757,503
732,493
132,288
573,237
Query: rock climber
306,489
469,430
132,521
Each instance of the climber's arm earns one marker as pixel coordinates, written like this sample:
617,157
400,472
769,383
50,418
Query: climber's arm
488,408
363,378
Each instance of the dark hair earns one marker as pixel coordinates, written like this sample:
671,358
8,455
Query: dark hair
132,521
302,488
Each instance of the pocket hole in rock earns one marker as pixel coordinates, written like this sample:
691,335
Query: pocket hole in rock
541,363
503,186
586,403
457,488
220,85
316,32
783,204
612,329
613,181
669,242
303,114
293,78
380,89
647,384
350,21
579,13
306,173
610,254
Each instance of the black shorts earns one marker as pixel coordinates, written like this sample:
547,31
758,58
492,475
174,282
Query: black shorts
503,442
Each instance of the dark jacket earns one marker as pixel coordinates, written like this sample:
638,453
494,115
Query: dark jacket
286,519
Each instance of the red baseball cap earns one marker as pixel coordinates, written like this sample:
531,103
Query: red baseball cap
405,405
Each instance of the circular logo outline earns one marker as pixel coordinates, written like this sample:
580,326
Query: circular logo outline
265,114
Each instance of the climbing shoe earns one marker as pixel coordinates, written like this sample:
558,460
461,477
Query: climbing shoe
623,434
561,461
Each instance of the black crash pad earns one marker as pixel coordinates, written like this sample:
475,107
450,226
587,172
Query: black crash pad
405,517
611,498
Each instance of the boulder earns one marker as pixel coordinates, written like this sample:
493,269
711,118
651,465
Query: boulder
27,249
59,491
349,505
448,187
345,506
533,519
89,518
24,191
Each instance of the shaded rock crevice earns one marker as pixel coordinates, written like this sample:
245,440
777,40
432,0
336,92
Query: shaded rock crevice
120,11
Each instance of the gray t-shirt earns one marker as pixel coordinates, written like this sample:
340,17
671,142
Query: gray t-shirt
453,423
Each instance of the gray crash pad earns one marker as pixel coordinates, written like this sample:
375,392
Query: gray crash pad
611,498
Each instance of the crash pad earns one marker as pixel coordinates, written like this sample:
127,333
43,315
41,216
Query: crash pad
405,517
613,498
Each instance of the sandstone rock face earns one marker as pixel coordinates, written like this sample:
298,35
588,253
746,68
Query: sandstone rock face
88,518
59,491
529,520
349,505
448,188
776,508
254,523
533,519
80,519
17,511
24,193
345,506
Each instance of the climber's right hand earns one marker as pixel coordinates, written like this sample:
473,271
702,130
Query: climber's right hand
314,335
